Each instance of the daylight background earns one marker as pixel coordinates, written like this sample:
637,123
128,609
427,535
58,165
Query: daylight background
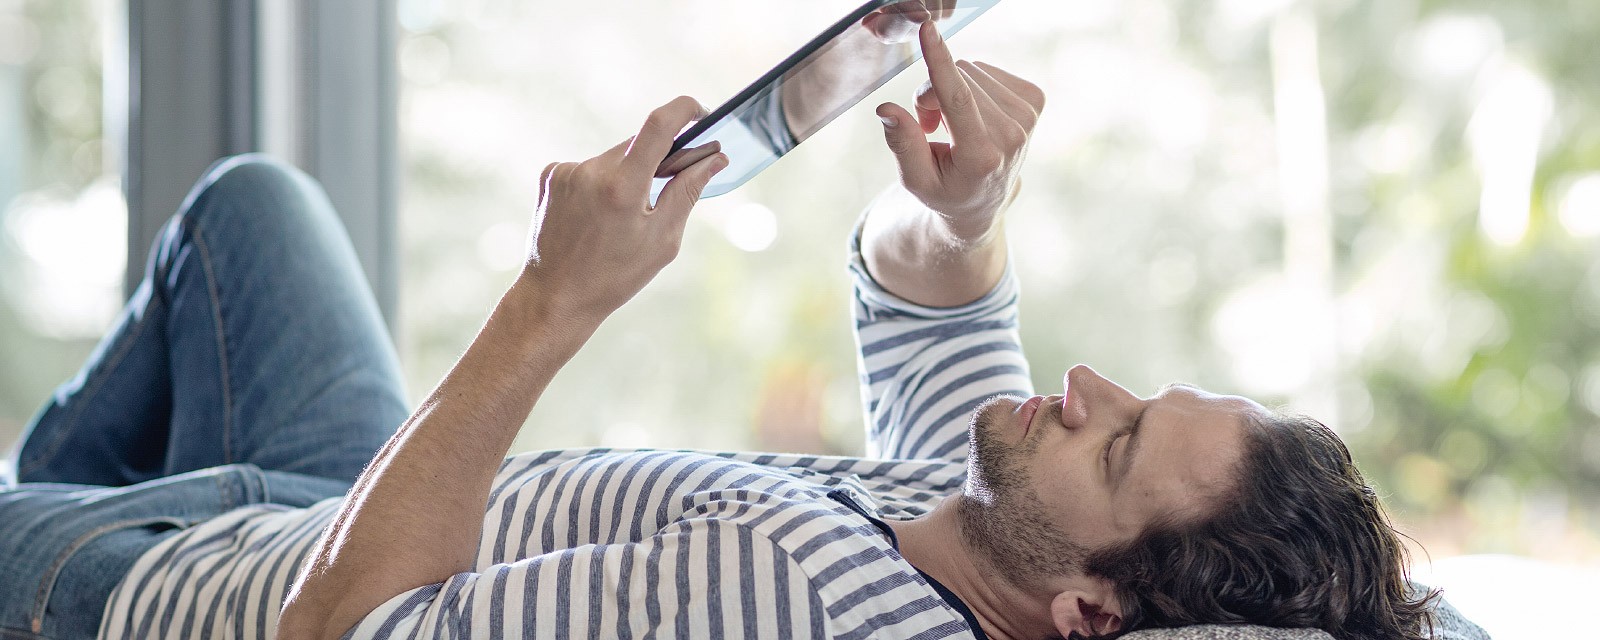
1385,213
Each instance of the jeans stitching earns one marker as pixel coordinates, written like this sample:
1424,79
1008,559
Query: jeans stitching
229,491
222,342
48,584
69,423
262,490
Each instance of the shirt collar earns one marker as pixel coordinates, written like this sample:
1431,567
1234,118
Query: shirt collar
950,598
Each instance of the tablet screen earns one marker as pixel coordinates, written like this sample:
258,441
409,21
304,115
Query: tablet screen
812,87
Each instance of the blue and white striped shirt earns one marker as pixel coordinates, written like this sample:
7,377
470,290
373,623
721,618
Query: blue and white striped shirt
645,544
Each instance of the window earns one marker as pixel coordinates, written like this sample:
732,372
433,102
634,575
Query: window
1385,217
1275,200
62,220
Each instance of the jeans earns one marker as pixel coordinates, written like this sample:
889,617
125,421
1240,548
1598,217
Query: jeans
250,366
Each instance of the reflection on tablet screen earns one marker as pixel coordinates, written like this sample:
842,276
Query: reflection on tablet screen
806,92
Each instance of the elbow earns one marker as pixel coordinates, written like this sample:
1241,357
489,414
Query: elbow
304,620
295,623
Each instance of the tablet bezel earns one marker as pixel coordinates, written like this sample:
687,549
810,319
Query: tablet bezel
774,77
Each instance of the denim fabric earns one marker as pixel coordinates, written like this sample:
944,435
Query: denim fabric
69,545
250,366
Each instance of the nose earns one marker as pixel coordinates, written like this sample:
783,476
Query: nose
1083,376
1086,391
1082,373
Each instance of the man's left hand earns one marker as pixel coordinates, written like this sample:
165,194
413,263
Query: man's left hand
990,114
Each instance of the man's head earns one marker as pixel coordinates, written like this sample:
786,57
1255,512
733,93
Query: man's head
1183,508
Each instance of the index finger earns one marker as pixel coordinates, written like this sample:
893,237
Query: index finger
655,138
1026,90
955,95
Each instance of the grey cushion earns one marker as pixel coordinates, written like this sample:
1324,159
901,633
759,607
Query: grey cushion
1449,624
1228,632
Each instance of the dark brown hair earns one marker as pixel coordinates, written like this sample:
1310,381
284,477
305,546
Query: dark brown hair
1302,541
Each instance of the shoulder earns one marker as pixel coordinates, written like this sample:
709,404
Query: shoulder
857,576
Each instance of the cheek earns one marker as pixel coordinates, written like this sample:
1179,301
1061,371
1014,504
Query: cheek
1065,489
1061,465
1073,497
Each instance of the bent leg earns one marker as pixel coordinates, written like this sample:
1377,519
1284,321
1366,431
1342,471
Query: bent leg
272,347
292,367
108,425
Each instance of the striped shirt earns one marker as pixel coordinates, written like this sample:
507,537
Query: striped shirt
645,543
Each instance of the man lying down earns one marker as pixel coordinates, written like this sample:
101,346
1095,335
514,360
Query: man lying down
231,448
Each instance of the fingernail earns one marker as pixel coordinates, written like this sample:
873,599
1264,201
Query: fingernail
890,121
720,163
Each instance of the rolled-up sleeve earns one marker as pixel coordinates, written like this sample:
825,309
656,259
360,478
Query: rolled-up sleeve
923,370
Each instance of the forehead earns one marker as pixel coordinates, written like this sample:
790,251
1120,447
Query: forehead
1191,443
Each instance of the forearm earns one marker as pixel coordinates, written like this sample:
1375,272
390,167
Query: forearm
929,259
414,516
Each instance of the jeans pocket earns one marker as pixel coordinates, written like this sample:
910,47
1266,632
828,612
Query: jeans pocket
93,582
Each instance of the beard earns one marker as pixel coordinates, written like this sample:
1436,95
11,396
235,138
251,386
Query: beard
1002,516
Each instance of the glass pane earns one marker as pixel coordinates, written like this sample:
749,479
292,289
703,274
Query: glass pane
1385,219
62,218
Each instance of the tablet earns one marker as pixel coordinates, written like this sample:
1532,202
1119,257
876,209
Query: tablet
797,98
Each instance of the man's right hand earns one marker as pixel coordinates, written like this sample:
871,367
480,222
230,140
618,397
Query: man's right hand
990,115
596,240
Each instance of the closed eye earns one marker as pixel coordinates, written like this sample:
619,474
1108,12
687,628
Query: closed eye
1106,455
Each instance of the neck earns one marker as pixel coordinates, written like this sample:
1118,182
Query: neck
935,545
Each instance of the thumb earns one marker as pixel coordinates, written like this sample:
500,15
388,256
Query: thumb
681,194
909,145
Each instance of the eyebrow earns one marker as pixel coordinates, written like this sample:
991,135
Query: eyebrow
1131,448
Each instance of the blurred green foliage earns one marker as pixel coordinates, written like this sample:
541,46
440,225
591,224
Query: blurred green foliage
1504,447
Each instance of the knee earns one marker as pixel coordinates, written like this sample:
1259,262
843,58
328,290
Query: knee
249,172
255,193
247,164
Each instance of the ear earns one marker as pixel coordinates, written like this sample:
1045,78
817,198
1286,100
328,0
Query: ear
1088,607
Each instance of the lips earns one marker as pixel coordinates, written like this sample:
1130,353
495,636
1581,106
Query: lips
1027,410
